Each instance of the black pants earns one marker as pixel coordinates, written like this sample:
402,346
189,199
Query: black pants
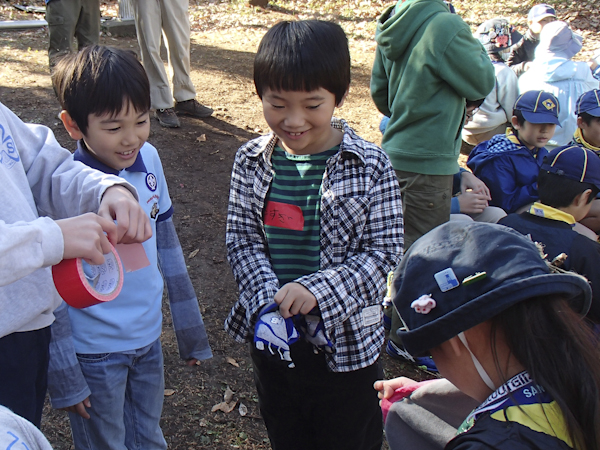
309,407
24,372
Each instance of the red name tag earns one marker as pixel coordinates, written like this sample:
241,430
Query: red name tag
284,215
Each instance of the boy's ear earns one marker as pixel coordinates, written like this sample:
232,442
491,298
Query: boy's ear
581,123
515,122
339,105
582,199
70,125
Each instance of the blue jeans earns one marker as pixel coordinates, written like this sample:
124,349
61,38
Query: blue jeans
127,398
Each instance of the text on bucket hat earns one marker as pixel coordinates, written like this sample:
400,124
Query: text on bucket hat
589,102
459,275
538,107
539,12
574,162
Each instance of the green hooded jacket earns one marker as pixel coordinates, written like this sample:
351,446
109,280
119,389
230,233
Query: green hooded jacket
427,64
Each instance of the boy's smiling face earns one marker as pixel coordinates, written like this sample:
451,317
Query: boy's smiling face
534,135
302,120
116,140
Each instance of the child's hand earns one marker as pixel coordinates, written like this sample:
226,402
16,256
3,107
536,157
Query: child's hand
472,203
387,388
80,408
468,181
293,298
133,224
84,237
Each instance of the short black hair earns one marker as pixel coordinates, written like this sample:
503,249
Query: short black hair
559,191
588,118
100,80
303,55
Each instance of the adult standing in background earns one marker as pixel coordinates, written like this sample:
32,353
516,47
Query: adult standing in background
169,18
427,63
71,18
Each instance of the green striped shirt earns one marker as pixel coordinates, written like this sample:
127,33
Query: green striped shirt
294,247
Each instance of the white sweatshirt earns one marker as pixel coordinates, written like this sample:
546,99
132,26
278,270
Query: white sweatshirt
498,105
39,182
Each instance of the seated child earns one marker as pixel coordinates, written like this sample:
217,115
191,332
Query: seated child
553,70
568,181
314,226
505,329
587,110
509,163
524,50
587,135
106,362
493,116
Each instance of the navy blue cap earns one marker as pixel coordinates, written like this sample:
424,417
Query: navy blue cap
538,107
589,102
459,275
539,12
574,162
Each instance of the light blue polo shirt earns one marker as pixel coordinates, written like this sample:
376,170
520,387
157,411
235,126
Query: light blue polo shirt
133,319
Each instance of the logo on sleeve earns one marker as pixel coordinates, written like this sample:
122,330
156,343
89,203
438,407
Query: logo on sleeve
151,181
8,152
154,211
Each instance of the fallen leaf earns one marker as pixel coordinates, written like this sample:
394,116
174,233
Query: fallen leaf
194,253
169,392
231,361
228,396
224,406
243,409
201,138
213,153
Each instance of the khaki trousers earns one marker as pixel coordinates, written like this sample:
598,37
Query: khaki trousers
168,18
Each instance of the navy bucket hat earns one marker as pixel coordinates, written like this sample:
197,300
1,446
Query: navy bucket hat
460,275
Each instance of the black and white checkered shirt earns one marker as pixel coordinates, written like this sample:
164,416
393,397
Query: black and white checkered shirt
361,240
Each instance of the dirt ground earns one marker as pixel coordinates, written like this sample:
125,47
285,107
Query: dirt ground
197,159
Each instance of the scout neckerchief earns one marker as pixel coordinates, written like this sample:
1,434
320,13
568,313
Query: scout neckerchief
578,137
541,210
522,400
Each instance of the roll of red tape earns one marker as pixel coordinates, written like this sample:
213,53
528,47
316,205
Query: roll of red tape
81,284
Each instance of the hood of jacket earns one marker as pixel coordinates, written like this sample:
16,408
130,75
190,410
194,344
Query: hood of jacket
557,69
396,31
497,146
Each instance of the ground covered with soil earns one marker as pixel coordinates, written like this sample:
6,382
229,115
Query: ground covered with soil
197,159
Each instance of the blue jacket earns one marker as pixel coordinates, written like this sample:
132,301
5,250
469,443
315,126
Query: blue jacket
509,169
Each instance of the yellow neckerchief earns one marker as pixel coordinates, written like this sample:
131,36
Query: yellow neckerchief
578,136
512,137
541,210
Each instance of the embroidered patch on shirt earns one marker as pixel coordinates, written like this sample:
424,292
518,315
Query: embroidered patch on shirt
284,215
151,181
371,315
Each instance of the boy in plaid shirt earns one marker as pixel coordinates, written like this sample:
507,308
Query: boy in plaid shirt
314,226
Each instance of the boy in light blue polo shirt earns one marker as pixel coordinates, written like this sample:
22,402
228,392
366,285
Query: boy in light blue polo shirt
106,364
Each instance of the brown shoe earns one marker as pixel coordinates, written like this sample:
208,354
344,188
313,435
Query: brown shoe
167,118
193,108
